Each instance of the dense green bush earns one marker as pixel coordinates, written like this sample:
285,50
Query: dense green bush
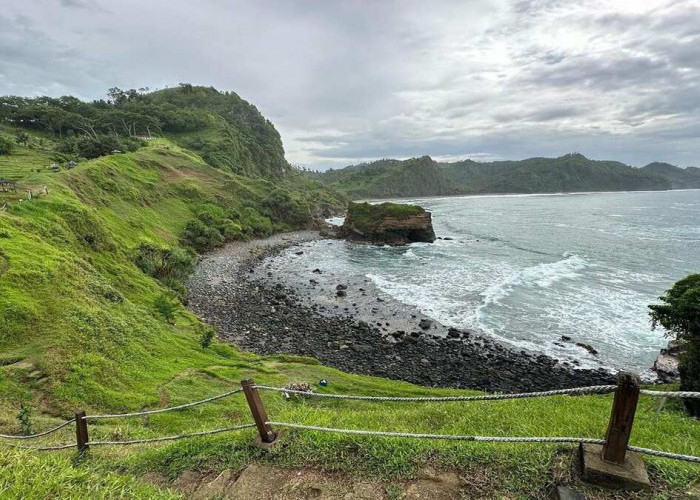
201,237
206,338
282,207
680,315
169,265
94,147
213,226
5,146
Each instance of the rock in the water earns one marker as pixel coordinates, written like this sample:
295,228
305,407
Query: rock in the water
387,224
425,324
587,347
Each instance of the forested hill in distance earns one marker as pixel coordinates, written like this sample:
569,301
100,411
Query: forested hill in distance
569,173
226,131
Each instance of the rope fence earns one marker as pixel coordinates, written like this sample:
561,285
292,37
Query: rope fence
578,391
171,438
446,437
615,444
163,410
44,433
670,394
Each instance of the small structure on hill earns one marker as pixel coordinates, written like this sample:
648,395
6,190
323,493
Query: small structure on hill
145,137
387,224
54,167
7,185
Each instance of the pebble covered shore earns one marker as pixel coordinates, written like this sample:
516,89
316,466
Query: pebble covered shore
232,291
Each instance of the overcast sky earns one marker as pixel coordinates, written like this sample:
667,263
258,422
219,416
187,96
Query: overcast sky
350,81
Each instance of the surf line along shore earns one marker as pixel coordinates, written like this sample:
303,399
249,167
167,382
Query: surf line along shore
231,290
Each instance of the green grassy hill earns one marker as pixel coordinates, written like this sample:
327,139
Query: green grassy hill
91,319
426,177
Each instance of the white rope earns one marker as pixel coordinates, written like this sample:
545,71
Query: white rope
595,389
171,438
448,437
494,439
664,454
44,448
162,410
45,433
670,394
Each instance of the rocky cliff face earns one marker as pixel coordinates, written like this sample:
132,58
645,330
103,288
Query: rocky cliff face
387,224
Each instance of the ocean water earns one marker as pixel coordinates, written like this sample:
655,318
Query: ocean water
529,269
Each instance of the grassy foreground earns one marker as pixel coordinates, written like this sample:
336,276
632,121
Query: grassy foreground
79,329
501,470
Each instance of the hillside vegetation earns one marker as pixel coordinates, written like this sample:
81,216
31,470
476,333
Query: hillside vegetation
680,178
226,131
91,318
569,173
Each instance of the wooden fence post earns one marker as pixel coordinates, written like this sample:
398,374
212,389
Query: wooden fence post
622,417
81,432
267,435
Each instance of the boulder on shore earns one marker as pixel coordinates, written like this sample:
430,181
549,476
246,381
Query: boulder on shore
387,224
666,364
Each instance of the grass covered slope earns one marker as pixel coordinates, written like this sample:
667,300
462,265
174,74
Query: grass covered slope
426,177
79,321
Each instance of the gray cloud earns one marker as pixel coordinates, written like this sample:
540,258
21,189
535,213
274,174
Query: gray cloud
351,81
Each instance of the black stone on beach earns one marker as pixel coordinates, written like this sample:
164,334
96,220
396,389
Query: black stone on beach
269,318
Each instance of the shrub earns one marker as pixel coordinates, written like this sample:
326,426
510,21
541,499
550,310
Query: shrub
89,147
164,263
166,305
201,237
255,224
94,147
282,207
5,146
24,418
680,316
21,137
206,338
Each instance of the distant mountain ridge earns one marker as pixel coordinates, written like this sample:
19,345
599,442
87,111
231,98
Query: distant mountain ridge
680,178
569,173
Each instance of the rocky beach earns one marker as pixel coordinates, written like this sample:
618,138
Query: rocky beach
353,327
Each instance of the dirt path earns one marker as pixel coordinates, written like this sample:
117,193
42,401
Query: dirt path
263,482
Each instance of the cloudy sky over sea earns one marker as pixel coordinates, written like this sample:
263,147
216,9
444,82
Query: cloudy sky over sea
350,81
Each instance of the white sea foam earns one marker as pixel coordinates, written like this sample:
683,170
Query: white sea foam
542,275
505,271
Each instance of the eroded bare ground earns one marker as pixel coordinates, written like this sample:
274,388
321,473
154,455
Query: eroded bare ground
265,482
